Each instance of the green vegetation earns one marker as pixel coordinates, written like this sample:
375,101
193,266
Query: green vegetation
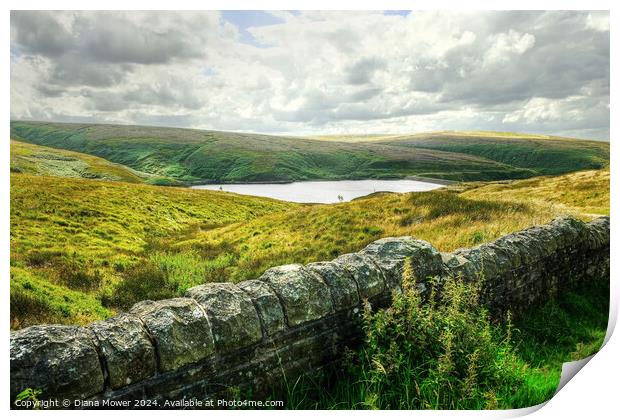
193,155
544,155
40,160
74,240
448,354
83,249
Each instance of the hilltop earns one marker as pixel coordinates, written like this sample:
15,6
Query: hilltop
193,156
41,160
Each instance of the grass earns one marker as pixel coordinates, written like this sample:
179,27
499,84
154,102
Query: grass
84,236
73,240
40,160
451,355
190,156
576,193
83,247
448,218
544,155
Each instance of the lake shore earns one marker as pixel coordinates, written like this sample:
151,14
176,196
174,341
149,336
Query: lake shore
325,192
438,181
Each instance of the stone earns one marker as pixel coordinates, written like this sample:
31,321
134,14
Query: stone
232,314
469,265
511,249
304,295
598,232
72,362
503,257
126,348
370,280
267,304
180,330
522,242
60,360
390,254
341,284
571,229
457,266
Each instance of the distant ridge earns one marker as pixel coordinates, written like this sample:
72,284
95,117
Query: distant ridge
191,156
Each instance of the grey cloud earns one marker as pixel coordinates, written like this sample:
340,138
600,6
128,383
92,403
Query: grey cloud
565,57
361,72
343,39
72,70
165,120
49,91
364,94
160,94
103,101
164,93
39,32
355,112
113,38
100,48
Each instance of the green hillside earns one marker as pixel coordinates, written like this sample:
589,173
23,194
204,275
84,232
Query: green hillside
72,239
83,249
545,155
195,155
40,160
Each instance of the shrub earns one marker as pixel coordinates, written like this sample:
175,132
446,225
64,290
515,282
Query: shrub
28,309
74,276
38,258
444,353
143,281
440,353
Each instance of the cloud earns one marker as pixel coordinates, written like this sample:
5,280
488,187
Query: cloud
316,71
39,33
362,71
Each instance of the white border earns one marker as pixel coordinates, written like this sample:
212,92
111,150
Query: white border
592,393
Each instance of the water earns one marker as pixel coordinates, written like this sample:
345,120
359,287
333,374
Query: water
323,191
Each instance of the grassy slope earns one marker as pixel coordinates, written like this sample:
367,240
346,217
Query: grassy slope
192,155
449,218
40,160
543,154
70,238
62,226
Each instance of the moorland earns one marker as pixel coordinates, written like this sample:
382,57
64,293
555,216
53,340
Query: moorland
101,218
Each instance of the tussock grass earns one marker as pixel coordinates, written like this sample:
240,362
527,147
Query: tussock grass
73,239
100,230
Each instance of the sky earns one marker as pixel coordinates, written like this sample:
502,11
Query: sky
313,72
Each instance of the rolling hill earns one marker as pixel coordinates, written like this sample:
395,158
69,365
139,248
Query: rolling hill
83,249
72,239
545,155
41,160
193,156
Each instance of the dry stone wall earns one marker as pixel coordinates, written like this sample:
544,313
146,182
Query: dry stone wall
292,320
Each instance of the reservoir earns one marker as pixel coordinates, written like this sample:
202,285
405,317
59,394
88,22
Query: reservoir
323,191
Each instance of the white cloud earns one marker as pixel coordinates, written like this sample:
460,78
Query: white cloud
316,72
506,45
598,21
